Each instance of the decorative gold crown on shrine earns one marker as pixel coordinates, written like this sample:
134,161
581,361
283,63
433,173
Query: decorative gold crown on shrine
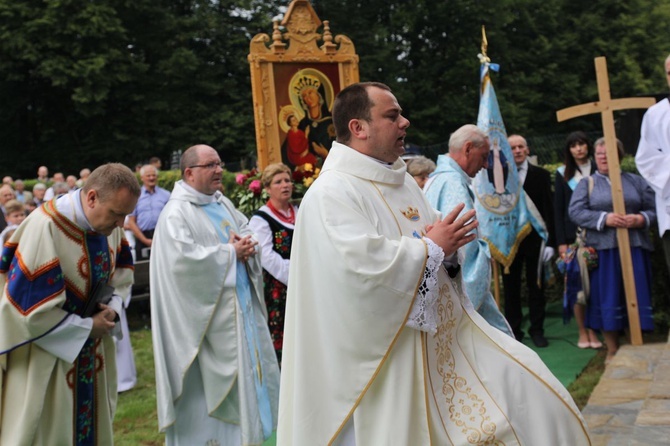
411,213
306,81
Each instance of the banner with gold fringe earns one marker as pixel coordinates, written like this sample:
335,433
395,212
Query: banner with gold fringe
502,209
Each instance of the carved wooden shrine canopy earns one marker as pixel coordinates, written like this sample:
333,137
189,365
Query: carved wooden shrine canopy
294,82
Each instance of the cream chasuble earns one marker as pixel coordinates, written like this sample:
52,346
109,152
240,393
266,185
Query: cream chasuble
199,327
59,386
357,261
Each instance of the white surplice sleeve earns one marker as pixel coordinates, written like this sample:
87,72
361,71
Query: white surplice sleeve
66,341
653,152
423,315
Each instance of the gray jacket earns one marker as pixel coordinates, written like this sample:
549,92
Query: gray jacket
589,212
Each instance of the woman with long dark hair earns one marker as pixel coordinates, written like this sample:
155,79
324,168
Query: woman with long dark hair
577,158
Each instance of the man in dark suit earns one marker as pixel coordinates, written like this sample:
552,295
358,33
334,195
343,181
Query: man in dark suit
537,185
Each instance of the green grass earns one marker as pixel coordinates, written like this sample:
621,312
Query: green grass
582,387
136,421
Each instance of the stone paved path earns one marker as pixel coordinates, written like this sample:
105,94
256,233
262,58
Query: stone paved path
630,406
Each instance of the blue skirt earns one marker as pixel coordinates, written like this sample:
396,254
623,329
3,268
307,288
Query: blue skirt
606,308
573,285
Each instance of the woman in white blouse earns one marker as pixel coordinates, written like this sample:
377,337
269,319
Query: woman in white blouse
273,224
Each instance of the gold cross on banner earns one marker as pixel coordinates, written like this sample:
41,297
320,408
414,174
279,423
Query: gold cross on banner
606,106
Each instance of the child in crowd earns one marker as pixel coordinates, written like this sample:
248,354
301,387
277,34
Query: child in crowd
15,213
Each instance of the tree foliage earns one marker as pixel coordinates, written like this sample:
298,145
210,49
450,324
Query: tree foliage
85,82
82,83
545,49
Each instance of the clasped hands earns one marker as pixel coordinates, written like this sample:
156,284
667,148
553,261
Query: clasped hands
245,246
451,233
629,221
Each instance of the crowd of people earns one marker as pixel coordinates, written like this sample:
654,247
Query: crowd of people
364,314
45,189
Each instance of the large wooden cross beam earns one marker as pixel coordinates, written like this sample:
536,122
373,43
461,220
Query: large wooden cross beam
606,106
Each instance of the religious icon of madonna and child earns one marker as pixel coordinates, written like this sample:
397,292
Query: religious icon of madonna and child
497,193
498,168
307,120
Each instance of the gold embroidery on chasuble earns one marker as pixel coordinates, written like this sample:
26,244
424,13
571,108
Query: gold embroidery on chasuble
457,402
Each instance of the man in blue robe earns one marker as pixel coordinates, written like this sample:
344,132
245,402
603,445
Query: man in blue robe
449,185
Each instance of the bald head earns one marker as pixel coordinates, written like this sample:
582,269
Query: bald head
71,181
191,155
42,173
201,169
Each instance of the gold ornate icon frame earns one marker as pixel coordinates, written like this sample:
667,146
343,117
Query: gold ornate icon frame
293,61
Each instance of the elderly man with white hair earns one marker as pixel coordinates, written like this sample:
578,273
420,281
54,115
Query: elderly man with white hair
142,222
448,186
39,190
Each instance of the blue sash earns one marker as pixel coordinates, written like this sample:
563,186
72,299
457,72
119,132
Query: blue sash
224,224
574,181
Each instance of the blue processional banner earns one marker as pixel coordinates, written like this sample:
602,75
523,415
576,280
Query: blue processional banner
503,213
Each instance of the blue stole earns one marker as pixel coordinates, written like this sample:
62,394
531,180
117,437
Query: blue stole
88,363
224,224
573,182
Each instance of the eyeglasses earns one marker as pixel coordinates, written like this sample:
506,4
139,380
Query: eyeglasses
210,166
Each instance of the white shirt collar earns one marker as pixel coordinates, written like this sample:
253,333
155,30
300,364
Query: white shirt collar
523,166
523,170
70,205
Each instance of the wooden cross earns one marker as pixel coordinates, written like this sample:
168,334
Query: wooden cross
605,106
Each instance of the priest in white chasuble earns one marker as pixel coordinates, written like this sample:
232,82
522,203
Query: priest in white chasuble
217,375
381,346
56,348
